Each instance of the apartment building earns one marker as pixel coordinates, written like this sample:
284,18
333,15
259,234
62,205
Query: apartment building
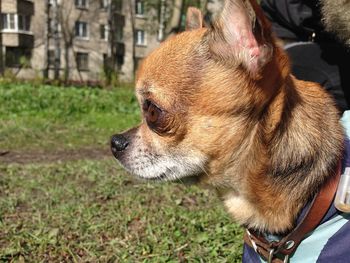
17,18
72,38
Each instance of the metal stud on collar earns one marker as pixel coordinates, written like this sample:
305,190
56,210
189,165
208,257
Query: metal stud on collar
289,244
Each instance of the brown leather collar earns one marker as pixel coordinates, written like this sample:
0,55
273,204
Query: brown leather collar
280,251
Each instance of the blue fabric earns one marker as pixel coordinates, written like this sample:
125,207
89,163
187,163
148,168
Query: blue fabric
249,255
337,248
330,241
312,246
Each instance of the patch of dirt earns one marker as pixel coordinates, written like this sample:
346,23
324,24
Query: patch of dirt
47,156
136,228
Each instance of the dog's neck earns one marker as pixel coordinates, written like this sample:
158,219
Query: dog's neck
296,146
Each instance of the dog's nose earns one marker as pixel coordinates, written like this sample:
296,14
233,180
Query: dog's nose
119,143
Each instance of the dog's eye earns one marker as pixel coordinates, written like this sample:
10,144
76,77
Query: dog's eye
154,116
153,113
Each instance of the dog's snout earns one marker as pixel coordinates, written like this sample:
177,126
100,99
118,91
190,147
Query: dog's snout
119,143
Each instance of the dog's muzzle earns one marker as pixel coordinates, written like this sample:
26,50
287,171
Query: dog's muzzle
119,143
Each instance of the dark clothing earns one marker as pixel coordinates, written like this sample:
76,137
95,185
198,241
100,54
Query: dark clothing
293,19
325,63
319,58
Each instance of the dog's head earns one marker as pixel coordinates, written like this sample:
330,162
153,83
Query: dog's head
202,93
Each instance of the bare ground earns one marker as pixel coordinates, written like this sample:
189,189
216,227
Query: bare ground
40,156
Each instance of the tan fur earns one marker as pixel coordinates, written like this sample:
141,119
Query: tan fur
266,141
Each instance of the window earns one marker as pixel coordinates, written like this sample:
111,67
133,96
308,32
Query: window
81,29
107,62
140,8
117,4
52,2
120,62
104,32
15,22
82,4
82,61
8,21
141,38
23,23
17,57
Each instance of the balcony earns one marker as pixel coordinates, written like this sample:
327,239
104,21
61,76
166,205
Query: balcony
17,6
25,7
17,39
16,30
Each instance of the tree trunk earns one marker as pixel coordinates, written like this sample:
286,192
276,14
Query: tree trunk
70,46
57,41
46,43
162,13
66,62
175,21
110,63
132,20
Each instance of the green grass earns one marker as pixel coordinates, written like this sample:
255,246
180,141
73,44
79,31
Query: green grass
55,117
91,210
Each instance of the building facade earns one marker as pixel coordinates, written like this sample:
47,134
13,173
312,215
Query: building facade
75,39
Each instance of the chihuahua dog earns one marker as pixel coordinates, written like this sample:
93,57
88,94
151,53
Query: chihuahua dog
220,104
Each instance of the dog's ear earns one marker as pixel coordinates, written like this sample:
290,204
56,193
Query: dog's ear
242,34
194,19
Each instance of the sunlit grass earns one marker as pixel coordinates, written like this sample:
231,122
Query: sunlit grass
91,210
55,117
